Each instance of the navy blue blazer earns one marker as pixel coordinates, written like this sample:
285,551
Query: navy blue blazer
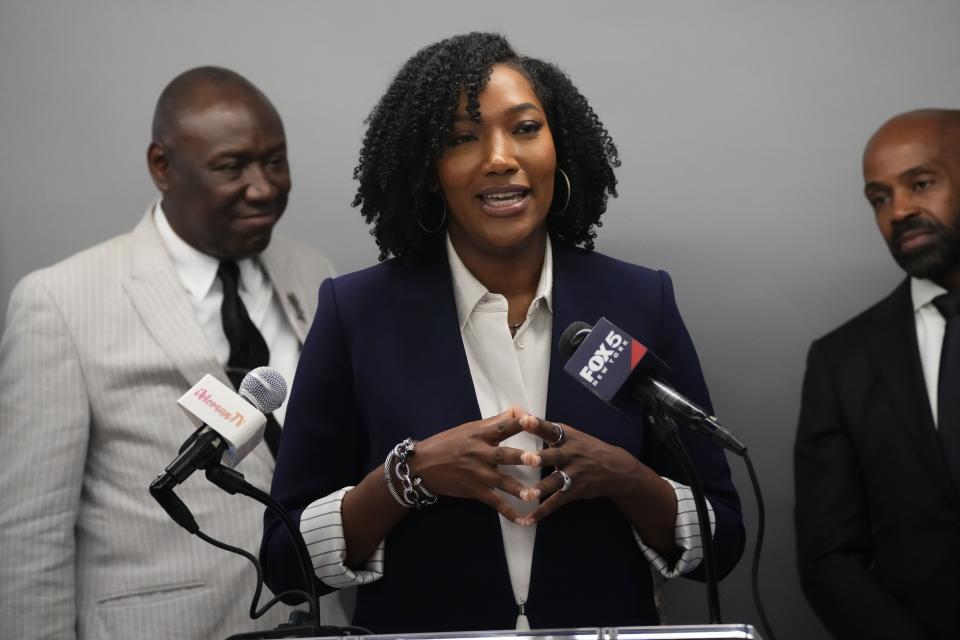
384,360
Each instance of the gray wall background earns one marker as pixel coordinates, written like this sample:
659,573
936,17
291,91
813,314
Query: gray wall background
740,126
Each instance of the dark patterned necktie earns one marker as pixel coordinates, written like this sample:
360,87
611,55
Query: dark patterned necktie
948,384
248,349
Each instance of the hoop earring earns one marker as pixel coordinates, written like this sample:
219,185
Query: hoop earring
443,217
566,201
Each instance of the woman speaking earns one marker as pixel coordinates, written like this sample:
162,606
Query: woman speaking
435,453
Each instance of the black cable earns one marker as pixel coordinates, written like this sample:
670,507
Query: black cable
755,566
162,490
665,428
233,481
293,629
666,431
706,535
254,613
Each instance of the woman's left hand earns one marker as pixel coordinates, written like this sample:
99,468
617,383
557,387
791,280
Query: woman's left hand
586,467
590,468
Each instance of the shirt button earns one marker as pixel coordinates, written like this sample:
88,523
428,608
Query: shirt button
521,344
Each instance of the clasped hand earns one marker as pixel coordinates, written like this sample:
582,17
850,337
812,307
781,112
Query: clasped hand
463,462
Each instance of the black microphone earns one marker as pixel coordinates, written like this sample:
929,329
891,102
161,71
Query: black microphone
605,358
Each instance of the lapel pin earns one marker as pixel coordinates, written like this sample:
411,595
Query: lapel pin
297,309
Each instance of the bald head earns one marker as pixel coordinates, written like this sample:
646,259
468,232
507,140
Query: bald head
911,172
198,89
938,126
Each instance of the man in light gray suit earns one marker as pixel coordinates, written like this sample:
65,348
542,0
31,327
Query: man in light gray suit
96,351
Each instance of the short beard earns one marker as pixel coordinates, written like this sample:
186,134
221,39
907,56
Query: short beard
934,260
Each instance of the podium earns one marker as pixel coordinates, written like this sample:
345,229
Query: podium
694,632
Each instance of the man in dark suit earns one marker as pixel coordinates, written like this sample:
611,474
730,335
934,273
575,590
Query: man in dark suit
877,457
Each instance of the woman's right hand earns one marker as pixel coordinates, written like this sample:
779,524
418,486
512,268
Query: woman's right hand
462,462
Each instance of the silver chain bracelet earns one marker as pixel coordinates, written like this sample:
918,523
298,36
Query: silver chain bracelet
414,495
389,480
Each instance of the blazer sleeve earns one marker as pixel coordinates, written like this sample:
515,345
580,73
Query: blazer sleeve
44,431
676,348
834,536
323,444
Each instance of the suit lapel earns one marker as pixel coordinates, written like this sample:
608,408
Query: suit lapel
566,398
896,358
164,306
432,312
440,375
290,290
567,401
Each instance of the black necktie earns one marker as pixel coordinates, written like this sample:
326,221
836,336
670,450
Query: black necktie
248,349
948,384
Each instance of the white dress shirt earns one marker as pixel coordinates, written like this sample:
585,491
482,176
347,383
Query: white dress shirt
198,273
506,371
931,327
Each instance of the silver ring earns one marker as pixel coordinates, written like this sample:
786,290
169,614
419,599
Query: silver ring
567,480
559,439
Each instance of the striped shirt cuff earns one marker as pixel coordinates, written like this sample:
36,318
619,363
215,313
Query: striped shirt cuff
322,530
686,535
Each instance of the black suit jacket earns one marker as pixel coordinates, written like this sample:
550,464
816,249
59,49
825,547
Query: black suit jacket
877,518
385,360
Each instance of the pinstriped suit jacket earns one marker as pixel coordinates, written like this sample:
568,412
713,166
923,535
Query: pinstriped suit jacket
96,351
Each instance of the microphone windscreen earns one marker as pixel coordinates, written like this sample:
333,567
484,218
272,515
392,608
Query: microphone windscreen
572,336
264,388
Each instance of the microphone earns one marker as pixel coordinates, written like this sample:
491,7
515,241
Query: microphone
604,358
230,424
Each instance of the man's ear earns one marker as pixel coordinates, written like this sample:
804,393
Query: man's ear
158,163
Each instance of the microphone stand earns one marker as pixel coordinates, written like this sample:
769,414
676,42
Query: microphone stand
665,428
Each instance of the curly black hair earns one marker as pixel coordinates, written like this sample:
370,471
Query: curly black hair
407,129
